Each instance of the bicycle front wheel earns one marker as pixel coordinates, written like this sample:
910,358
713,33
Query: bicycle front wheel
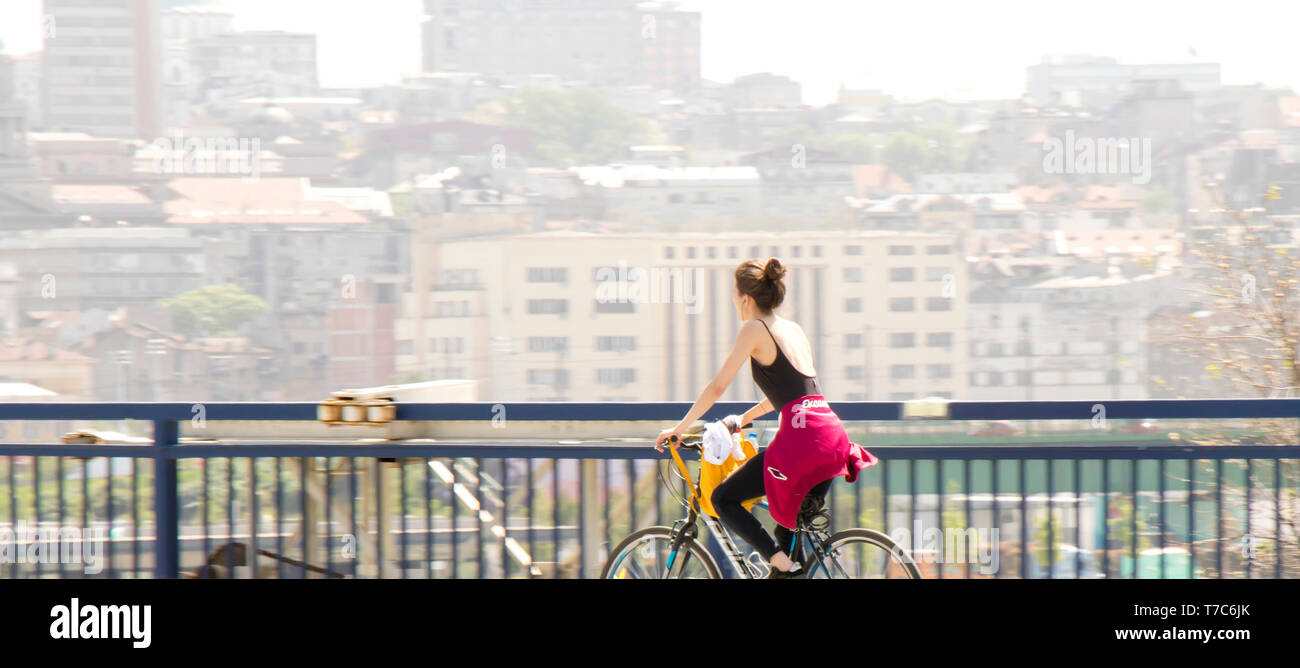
863,554
647,555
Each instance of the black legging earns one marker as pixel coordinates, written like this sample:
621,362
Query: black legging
746,483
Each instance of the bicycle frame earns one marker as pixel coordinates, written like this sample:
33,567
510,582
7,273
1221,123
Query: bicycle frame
687,530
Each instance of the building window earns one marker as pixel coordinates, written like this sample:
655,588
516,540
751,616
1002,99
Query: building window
548,275
607,344
853,372
938,304
935,274
403,348
902,396
669,253
816,251
615,376
938,371
938,250
1025,378
902,274
852,341
995,378
796,251
852,274
547,344
902,340
902,371
690,253
939,339
711,252
902,250
615,307
549,377
551,306
853,305
853,250
900,304
733,252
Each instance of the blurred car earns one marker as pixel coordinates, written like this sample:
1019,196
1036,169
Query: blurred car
999,429
1139,427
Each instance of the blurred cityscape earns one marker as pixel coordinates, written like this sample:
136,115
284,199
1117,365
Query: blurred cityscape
552,209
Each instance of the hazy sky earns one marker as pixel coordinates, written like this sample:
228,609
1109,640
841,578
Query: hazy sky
954,48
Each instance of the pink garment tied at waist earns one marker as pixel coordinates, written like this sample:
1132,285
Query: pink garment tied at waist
810,447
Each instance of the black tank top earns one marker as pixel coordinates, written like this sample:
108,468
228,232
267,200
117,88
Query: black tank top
780,381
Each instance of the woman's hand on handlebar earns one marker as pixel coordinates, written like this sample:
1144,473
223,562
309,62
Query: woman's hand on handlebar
675,434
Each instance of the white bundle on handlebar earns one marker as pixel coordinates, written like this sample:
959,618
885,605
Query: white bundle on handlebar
720,442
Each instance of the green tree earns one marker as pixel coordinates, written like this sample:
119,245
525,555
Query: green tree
213,310
577,126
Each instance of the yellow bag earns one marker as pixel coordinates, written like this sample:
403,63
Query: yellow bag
711,475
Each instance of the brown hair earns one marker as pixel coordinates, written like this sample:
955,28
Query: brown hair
762,282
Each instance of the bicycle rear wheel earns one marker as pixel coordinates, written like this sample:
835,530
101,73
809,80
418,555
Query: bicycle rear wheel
646,554
863,554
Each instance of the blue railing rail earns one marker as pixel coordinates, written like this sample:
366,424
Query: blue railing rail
165,451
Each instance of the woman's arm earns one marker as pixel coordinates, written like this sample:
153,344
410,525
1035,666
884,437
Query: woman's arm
746,340
759,410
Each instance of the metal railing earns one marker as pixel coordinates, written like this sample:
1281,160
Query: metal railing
541,506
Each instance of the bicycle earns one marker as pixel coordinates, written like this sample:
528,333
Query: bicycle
661,552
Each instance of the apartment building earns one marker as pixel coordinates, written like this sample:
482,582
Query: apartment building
648,317
103,68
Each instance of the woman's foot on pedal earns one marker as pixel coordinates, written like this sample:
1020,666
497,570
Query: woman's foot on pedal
778,574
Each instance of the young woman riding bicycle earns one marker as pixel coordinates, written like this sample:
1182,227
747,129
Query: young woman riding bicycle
811,447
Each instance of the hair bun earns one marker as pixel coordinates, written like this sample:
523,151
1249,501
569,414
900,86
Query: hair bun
773,270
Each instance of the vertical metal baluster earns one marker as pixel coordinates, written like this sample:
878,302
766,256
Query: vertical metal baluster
1250,536
455,524
1160,511
1191,518
1218,498
1051,532
965,486
401,472
230,517
1078,521
911,494
428,516
1024,520
997,512
58,473
938,512
36,500
279,516
108,510
254,517
605,495
478,518
1105,517
532,547
352,507
1277,518
1133,486
305,464
505,517
329,515
555,515
582,526
135,518
85,502
13,508
207,509
380,529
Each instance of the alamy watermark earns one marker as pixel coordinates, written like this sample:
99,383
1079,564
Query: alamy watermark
950,545
1104,155
229,156
657,285
53,544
